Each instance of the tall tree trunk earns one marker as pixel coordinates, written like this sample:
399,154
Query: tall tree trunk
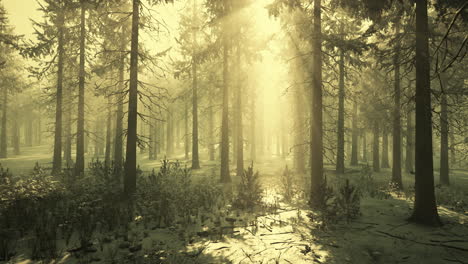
425,210
364,145
79,166
253,122
409,159
195,158
355,137
225,177
118,141
169,133
444,131
316,144
130,161
107,159
57,159
16,134
385,163
3,141
340,152
39,130
29,131
375,150
67,148
187,135
453,157
211,150
300,120
396,153
239,126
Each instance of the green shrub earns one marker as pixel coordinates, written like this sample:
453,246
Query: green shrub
249,191
453,197
287,184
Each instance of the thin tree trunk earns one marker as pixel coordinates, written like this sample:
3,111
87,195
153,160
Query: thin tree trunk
299,148
340,152
385,163
355,137
239,126
4,142
79,165
57,159
396,160
425,210
364,145
107,159
130,161
409,161
67,148
187,135
195,158
375,150
211,150
316,144
118,142
253,150
16,134
225,177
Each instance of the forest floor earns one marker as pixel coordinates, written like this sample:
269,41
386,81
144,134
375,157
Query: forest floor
287,234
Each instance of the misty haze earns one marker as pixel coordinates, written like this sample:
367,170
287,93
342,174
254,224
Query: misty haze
233,131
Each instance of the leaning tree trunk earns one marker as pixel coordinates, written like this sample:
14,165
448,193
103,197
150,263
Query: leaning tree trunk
425,209
355,137
396,153
444,130
57,159
316,144
341,142
375,149
3,139
130,160
385,163
79,165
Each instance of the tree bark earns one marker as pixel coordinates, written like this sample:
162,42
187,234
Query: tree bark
340,152
425,210
57,158
130,161
80,164
316,144
187,135
195,158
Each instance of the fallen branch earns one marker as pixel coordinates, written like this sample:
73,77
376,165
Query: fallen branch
423,243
